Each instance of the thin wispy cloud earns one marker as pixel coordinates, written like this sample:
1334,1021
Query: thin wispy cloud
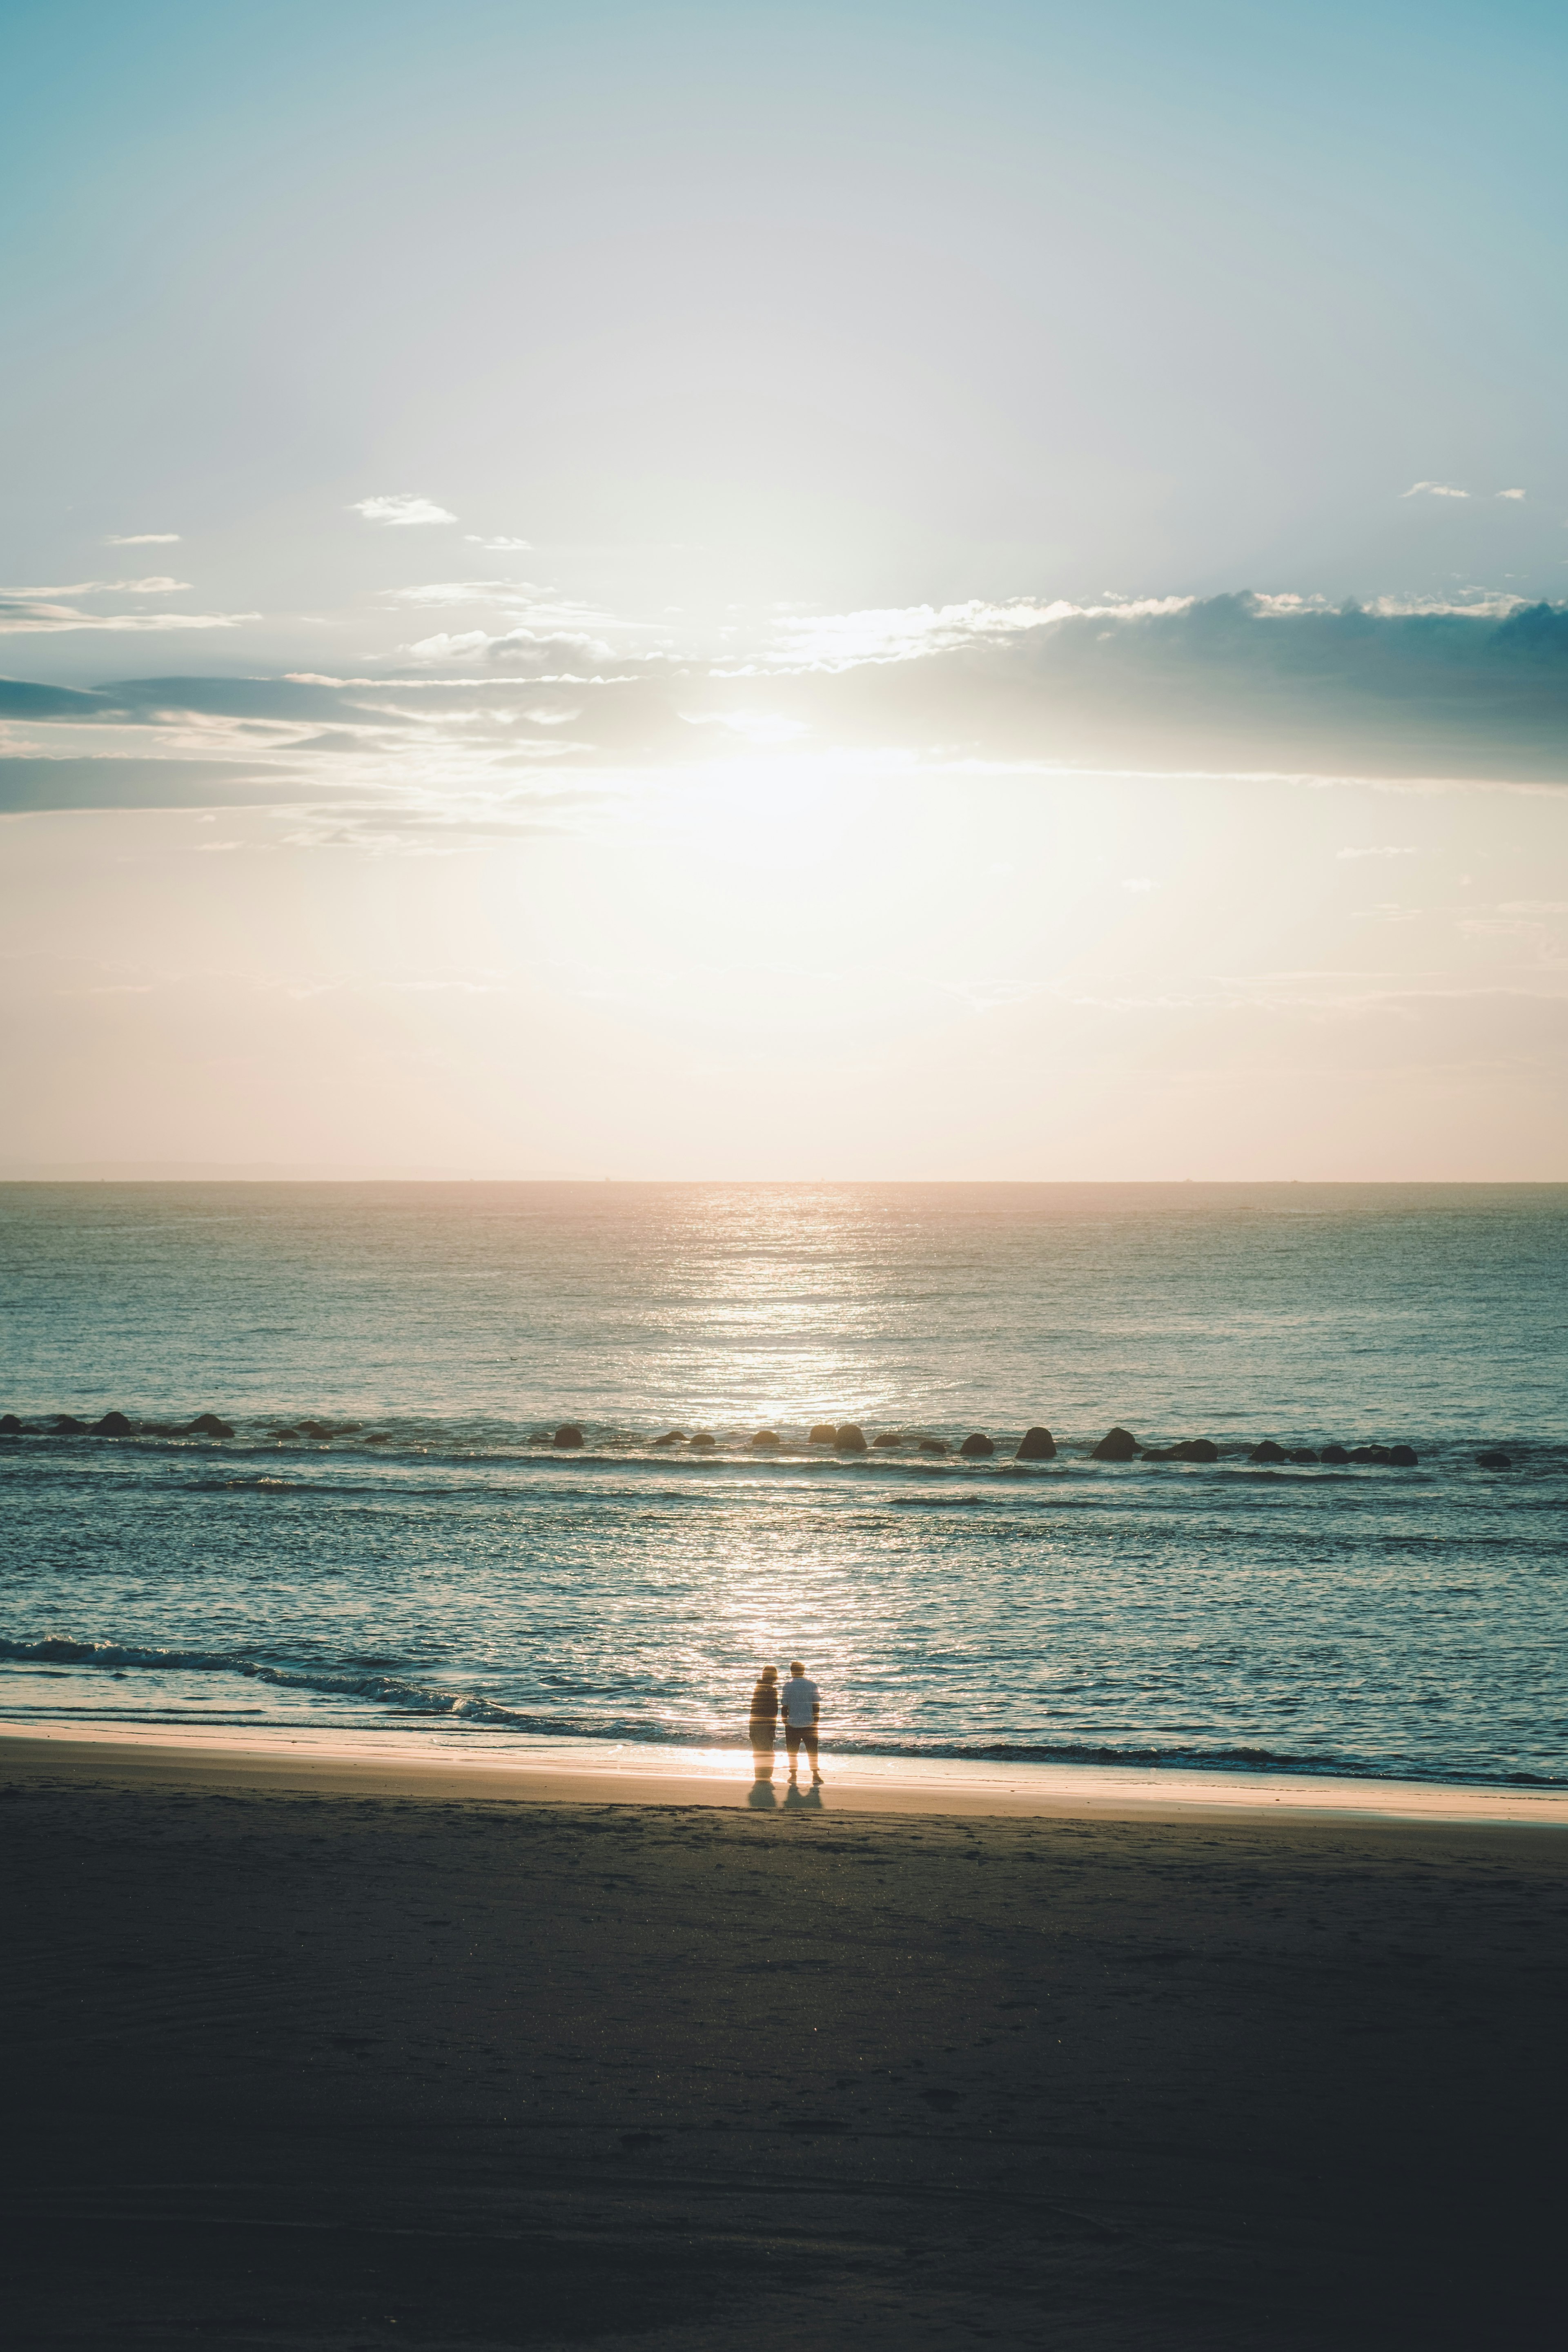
1433,490
465,592
401,509
1511,494
157,586
25,615
142,539
509,546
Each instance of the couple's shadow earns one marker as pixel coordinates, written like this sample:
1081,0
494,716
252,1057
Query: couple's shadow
765,1798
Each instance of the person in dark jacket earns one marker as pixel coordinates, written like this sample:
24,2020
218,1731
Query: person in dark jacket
764,1722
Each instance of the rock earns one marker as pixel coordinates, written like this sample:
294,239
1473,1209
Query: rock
765,1441
9,1425
113,1425
889,1438
1494,1461
976,1446
1302,1453
67,1426
568,1437
823,1434
1195,1449
849,1439
1117,1445
1038,1445
1378,1454
702,1439
291,1437
1336,1455
671,1437
1268,1452
1404,1457
207,1425
934,1445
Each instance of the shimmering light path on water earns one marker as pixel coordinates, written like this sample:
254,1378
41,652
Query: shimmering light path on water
439,1565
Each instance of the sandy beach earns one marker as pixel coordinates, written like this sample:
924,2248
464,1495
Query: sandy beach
317,2049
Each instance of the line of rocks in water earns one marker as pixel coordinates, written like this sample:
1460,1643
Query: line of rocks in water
1037,1445
205,1424
115,1425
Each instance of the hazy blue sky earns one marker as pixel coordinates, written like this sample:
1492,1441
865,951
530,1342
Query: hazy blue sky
725,590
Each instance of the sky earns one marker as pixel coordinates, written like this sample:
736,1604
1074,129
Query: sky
796,591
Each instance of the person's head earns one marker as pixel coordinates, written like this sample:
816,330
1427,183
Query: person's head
796,1666
770,1673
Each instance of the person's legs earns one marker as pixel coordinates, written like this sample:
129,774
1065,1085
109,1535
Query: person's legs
793,1738
809,1735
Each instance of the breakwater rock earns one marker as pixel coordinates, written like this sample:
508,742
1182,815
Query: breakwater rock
1038,1445
822,1433
1117,1445
976,1446
1396,1457
849,1439
568,1437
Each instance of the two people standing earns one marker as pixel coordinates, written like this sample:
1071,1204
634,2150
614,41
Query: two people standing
800,1701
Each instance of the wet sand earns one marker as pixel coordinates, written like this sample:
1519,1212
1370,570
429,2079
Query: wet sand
313,2051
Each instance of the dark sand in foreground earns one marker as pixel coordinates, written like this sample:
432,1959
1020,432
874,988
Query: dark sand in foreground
290,2066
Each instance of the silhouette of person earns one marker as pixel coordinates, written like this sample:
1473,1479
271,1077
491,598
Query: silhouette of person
802,1714
764,1723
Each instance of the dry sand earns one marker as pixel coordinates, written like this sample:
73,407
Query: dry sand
317,2052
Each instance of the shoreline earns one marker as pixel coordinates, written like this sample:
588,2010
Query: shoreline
570,1772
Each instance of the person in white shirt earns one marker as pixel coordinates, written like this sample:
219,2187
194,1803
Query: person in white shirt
802,1704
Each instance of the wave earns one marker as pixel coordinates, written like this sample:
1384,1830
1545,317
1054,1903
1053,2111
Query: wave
388,1690
408,1696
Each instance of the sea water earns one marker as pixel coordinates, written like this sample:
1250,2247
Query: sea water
443,1564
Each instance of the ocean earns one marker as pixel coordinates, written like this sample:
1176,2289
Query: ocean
442,1565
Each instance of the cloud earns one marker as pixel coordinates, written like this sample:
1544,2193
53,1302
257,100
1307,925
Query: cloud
142,539
1262,687
34,786
23,612
518,648
1510,494
1224,685
402,508
499,546
1434,490
909,632
21,698
159,585
465,592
